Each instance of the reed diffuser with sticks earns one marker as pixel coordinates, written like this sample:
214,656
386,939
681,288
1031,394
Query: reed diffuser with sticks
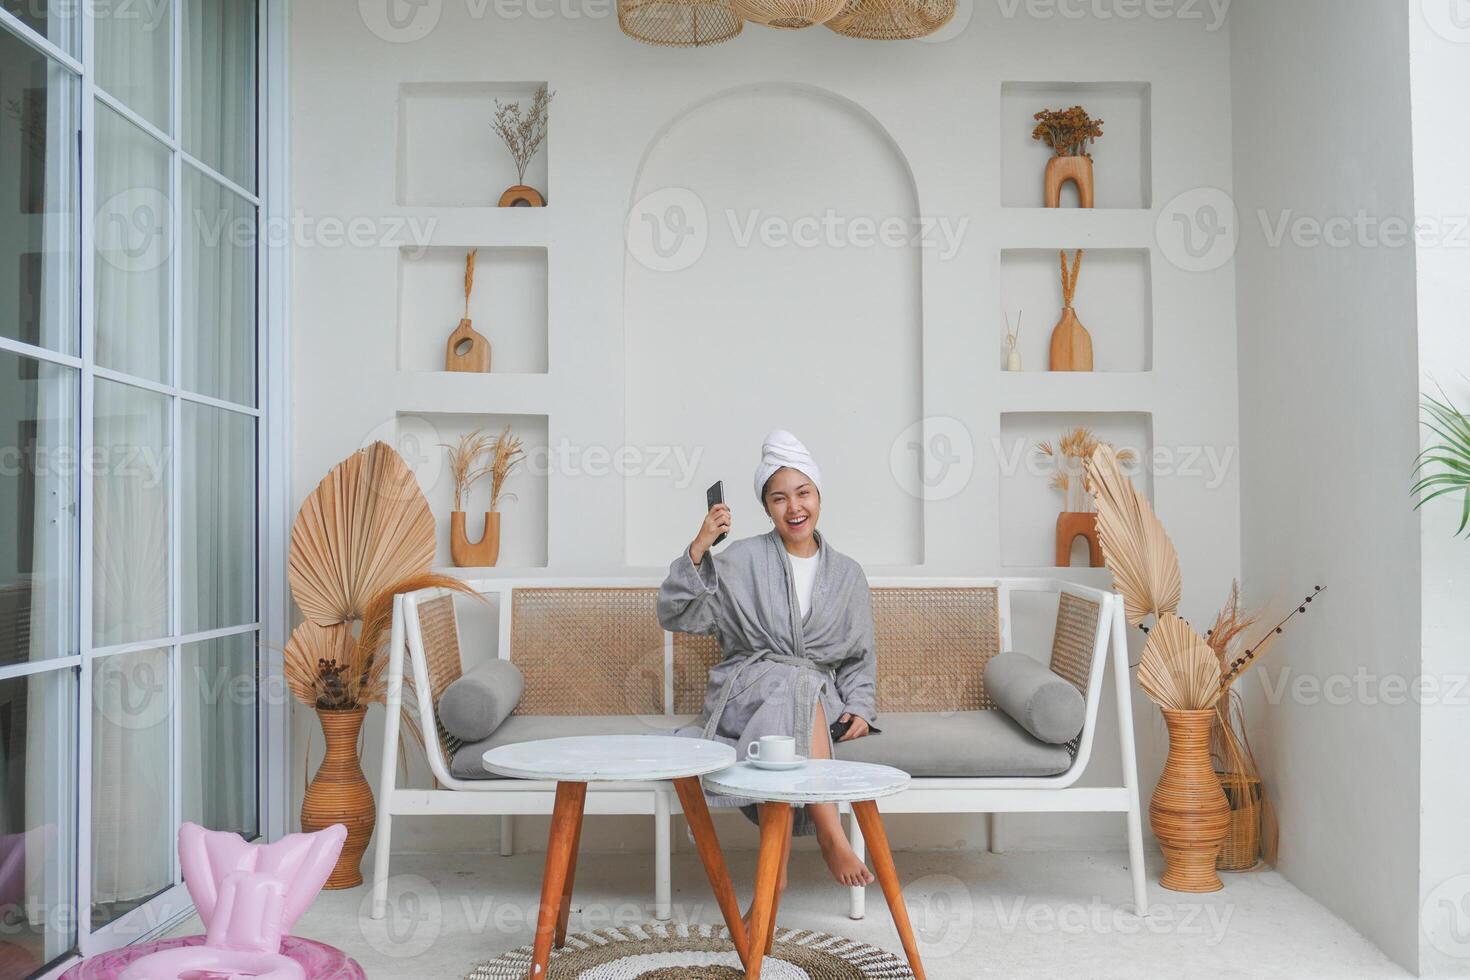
1013,342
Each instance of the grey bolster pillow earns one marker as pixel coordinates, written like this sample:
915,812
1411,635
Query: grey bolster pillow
475,705
1049,707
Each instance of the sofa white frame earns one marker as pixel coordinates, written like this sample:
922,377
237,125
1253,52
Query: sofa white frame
993,796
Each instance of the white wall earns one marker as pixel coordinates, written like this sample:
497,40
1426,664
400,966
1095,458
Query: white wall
1328,433
940,108
1440,74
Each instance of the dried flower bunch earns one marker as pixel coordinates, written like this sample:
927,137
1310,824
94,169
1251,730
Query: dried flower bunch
1067,131
464,463
502,455
523,134
1070,456
364,536
507,452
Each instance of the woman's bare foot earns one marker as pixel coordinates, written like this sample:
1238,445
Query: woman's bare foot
843,861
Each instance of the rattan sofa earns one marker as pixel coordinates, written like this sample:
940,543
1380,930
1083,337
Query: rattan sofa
596,661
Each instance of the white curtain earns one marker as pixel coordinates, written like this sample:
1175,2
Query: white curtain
218,354
132,833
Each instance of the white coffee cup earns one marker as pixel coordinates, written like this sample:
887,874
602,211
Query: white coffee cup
772,748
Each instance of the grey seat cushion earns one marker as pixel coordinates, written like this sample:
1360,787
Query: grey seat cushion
1046,705
467,763
474,705
961,743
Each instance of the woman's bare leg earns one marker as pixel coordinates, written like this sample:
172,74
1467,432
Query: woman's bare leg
841,859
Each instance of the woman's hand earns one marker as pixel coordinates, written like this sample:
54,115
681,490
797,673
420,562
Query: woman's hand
858,730
716,523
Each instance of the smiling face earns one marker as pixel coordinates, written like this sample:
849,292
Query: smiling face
794,504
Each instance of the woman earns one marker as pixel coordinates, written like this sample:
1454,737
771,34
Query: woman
794,620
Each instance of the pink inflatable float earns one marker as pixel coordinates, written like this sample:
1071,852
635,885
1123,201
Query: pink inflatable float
248,897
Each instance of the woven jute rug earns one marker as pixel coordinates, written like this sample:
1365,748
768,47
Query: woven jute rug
659,951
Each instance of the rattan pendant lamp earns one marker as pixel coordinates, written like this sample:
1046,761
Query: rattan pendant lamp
679,23
891,20
788,15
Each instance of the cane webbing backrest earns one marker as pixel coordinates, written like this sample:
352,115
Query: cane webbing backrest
693,658
1073,643
588,651
440,633
933,645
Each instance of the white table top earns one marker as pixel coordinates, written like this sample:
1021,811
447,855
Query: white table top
819,781
609,758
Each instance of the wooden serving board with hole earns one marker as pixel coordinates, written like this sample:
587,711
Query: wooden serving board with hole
467,350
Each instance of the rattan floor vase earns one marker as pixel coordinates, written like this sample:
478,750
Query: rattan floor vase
339,793
1189,812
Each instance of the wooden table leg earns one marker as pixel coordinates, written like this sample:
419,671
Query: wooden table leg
775,834
696,811
872,827
776,903
566,889
566,817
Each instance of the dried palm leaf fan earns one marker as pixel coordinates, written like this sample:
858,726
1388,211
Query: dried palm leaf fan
364,528
1143,561
788,15
891,20
1178,669
679,23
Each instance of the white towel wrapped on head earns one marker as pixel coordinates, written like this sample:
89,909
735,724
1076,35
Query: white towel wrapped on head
782,449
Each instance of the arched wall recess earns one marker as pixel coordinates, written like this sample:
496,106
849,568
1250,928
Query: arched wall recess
773,279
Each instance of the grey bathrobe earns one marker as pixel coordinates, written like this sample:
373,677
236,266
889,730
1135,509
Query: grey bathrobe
777,665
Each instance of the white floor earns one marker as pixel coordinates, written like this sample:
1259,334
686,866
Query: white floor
979,915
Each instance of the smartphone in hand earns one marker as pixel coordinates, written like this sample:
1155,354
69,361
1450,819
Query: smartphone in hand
715,495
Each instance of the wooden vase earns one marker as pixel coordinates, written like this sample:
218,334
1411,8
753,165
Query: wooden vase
1189,812
1071,344
467,350
339,793
522,196
483,553
1070,527
1063,170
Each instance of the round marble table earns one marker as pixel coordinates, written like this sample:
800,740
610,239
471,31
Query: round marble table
575,761
818,781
